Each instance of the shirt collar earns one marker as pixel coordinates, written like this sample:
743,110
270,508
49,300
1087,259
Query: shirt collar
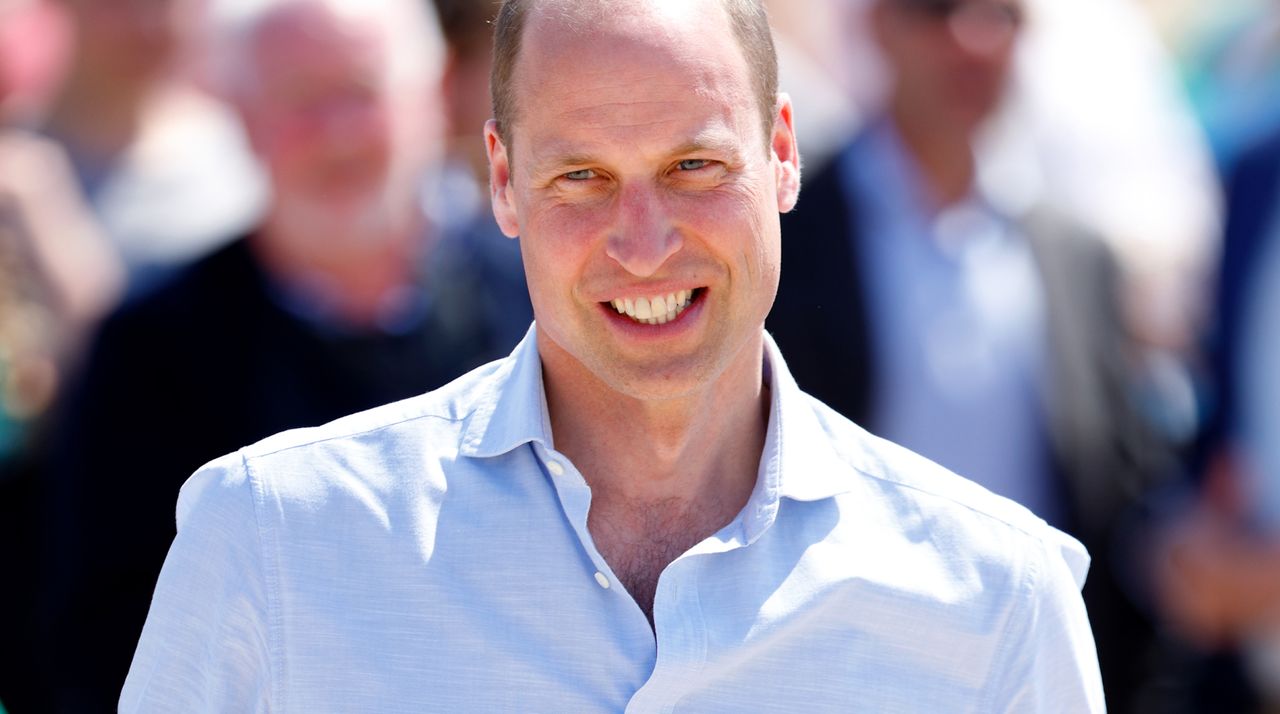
799,451
881,165
799,460
511,409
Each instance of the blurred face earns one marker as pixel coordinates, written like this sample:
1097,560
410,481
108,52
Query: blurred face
949,58
319,113
645,196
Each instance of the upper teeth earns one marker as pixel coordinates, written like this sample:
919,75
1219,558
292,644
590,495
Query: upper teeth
656,310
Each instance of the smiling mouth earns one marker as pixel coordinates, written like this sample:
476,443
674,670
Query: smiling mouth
656,310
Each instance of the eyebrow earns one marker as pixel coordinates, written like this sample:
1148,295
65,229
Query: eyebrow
552,161
713,144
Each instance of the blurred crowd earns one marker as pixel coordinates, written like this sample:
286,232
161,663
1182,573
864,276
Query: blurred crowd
1037,242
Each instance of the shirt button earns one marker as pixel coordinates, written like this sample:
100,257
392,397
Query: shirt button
602,580
555,468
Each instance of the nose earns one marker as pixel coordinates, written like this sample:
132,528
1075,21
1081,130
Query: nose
643,237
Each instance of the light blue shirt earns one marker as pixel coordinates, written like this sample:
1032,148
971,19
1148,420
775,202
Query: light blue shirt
433,555
958,325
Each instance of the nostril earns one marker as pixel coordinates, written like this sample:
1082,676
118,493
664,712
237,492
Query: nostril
643,254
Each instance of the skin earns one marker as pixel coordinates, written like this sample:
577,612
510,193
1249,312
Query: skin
644,172
1216,582
949,76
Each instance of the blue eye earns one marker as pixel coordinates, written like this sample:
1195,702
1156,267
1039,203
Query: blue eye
580,175
693,164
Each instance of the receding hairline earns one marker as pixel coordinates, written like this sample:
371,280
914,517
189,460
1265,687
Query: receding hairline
747,20
408,30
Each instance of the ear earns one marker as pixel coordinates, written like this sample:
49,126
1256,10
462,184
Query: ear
504,207
786,156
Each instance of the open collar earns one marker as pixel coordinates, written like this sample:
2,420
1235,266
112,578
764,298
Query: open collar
511,408
799,460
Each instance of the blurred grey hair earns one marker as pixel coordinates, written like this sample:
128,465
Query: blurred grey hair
415,44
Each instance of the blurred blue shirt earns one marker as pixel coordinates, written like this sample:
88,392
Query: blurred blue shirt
958,326
434,555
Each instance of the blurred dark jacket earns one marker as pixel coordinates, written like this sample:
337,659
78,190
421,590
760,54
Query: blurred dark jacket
1253,198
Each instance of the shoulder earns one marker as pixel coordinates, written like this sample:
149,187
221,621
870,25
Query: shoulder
966,525
379,449
968,567
1056,236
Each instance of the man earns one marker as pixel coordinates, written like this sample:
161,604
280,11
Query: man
926,302
343,298
638,510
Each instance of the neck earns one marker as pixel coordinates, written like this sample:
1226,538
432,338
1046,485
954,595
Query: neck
943,153
696,447
362,266
664,474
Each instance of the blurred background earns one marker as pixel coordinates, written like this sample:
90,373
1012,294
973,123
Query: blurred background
1048,230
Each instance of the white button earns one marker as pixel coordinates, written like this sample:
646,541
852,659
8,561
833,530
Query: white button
604,581
555,468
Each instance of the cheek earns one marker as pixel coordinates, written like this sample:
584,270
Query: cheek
569,223
558,236
285,153
739,222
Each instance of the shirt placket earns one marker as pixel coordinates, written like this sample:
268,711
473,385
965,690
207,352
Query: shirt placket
575,500
681,633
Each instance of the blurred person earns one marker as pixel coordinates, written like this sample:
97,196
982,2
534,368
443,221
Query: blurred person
638,509
1097,126
468,32
344,297
1219,574
457,200
1100,128
926,304
163,165
58,276
819,66
35,42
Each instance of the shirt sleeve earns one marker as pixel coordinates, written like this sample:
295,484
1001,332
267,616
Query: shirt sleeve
205,646
1053,663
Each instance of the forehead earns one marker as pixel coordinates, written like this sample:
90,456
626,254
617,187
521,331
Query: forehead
629,66
310,38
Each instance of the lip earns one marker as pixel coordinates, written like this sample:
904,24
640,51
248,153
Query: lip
638,331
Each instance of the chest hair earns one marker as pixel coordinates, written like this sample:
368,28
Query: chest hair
639,538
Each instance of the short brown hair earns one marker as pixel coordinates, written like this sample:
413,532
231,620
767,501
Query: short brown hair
748,18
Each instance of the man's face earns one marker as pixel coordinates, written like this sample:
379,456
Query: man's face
639,177
320,113
949,58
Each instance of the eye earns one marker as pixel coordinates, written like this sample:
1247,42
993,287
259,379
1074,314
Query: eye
580,175
693,164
